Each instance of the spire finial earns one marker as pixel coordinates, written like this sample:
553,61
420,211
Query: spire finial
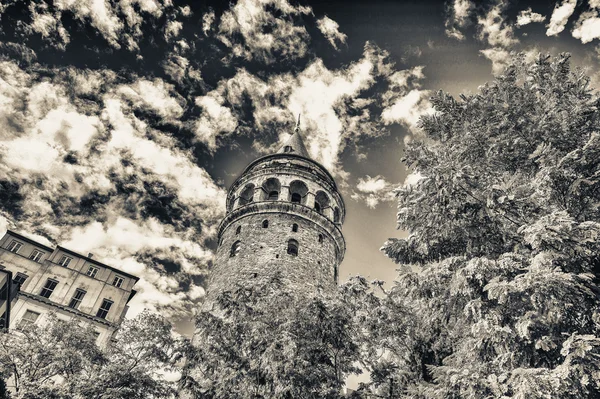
297,128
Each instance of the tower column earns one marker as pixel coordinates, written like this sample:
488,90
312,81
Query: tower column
285,193
310,200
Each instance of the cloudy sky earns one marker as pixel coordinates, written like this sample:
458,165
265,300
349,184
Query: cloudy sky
123,122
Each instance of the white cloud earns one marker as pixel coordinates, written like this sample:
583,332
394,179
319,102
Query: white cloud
413,179
248,19
372,191
193,183
371,184
172,29
152,95
330,29
214,121
408,109
587,27
560,17
458,18
494,28
499,57
316,95
527,17
119,22
100,14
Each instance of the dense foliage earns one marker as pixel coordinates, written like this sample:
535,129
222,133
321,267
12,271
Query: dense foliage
504,240
263,340
60,360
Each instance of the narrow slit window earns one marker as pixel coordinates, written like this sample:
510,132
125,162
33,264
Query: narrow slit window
238,230
265,224
295,228
292,247
235,249
320,238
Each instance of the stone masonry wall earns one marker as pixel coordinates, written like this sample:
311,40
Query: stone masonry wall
263,252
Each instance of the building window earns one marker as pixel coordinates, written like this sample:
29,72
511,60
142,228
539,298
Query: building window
271,188
77,298
238,230
247,195
36,255
118,281
320,238
298,192
48,288
64,261
14,246
104,308
295,228
92,271
30,317
321,201
20,278
287,148
265,224
292,247
235,249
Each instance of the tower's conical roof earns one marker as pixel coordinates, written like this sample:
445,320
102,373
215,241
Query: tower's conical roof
294,145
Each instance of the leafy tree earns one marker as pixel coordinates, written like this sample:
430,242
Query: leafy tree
263,341
61,360
503,242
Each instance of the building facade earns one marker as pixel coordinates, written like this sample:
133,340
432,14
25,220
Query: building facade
284,215
64,282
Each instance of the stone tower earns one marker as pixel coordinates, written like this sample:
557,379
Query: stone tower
284,215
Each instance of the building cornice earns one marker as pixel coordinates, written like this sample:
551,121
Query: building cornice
29,240
97,263
67,309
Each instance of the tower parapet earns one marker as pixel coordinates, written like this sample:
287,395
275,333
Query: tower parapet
284,216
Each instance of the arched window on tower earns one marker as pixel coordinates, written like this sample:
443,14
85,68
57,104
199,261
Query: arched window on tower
292,247
271,188
238,230
320,238
298,192
247,194
235,249
295,228
265,224
321,201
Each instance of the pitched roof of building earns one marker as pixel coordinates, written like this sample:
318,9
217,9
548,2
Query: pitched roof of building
294,145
